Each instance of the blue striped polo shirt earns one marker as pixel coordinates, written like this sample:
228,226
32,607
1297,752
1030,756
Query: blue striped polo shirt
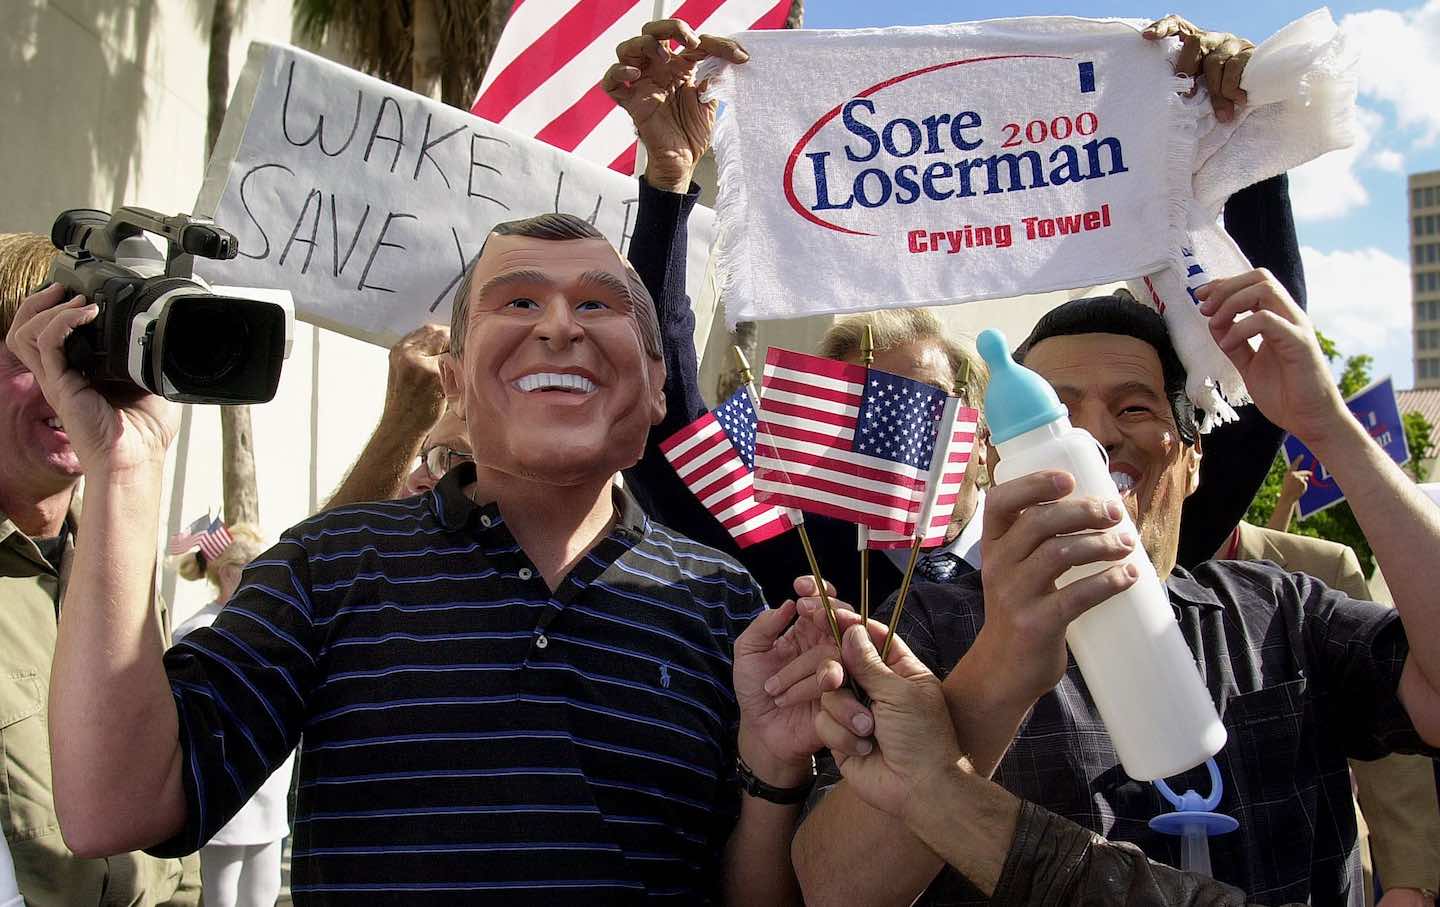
466,735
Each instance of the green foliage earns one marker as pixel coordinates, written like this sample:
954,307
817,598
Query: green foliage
1338,523
1418,431
1356,375
1264,503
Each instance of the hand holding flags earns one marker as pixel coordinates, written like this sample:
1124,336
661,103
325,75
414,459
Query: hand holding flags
833,438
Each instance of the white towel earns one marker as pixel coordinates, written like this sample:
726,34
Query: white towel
863,240
942,137
1301,88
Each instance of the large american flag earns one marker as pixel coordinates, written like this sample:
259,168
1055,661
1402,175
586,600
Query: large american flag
544,77
947,474
844,440
715,458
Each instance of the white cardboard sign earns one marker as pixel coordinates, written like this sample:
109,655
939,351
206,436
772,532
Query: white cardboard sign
366,201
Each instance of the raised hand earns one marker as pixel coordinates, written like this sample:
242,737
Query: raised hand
413,391
116,429
1217,57
1287,375
1033,534
656,86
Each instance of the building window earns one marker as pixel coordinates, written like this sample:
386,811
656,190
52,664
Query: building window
1429,196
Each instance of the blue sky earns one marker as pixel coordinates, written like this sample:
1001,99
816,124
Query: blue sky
1351,205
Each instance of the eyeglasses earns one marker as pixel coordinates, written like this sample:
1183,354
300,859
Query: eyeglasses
440,459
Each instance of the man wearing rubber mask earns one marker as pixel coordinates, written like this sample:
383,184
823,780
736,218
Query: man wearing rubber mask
516,674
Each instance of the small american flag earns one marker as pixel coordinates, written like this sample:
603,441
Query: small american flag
214,540
715,457
844,440
189,537
947,474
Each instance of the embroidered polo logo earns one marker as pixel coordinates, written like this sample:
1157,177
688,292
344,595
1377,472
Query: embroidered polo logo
665,675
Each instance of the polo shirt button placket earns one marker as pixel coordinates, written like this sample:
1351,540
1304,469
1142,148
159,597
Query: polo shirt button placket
541,641
526,573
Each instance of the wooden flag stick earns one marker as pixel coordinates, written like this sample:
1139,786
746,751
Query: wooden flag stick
748,377
867,356
900,598
820,584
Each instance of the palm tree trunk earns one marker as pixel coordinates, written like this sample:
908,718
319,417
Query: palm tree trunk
426,56
242,499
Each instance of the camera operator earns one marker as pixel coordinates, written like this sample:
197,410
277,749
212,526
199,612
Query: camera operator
39,505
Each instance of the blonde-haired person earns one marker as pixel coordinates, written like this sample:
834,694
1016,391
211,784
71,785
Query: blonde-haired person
24,264
240,866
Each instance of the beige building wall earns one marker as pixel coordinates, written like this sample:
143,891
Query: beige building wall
1424,191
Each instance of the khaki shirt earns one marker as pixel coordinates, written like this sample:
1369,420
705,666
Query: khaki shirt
49,874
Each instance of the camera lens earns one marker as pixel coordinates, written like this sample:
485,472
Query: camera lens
206,343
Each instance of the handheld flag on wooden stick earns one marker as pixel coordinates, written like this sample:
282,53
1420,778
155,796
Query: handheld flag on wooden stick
747,379
867,358
715,458
844,440
955,459
947,472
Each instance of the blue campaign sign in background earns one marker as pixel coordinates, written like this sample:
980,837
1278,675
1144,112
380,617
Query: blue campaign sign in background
1377,410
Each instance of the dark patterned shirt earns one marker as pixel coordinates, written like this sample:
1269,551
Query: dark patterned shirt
1303,677
468,736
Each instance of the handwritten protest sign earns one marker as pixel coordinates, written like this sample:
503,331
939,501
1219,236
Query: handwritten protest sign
1378,411
946,164
366,201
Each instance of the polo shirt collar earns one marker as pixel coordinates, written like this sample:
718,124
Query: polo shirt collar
455,509
1187,592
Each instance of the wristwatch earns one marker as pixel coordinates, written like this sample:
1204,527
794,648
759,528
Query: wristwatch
785,796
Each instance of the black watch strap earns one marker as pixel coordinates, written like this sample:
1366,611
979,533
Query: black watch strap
785,796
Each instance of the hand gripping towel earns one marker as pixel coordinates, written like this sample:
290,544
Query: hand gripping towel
880,168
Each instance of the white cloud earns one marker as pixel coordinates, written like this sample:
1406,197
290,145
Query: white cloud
1398,63
1361,300
1329,187
1389,160
1398,69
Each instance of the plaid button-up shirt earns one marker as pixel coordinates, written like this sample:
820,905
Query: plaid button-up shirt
1303,677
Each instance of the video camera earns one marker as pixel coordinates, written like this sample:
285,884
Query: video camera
159,327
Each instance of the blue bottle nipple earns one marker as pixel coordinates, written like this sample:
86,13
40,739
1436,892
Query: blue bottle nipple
1017,400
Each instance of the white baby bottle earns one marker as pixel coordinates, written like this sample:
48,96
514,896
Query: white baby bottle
1129,648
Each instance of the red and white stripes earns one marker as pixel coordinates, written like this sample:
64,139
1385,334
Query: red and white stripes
544,78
